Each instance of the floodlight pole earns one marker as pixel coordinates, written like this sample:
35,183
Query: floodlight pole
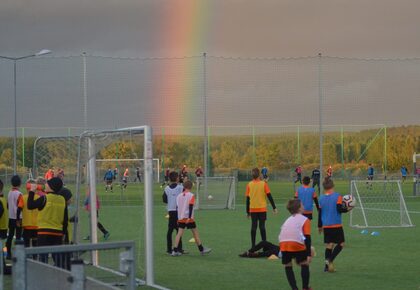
15,59
320,121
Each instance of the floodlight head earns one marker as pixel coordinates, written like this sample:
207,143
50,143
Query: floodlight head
43,52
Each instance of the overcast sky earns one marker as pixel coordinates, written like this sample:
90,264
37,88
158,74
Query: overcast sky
353,28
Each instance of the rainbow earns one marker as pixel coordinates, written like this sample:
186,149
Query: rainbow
177,97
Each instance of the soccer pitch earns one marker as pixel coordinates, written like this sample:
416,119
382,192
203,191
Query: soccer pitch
387,261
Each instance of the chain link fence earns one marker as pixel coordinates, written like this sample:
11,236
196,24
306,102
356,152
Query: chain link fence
225,114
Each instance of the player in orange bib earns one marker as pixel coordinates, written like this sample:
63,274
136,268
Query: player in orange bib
257,192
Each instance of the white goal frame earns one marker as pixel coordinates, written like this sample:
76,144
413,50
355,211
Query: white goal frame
89,136
203,193
360,205
157,160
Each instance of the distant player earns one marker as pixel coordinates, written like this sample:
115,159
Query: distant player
256,193
169,196
115,173
329,172
183,175
298,171
295,243
307,195
370,174
138,175
329,221
15,214
185,204
404,173
199,172
108,178
166,177
264,172
316,176
60,173
125,178
105,233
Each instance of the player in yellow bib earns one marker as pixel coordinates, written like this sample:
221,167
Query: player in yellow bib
257,192
52,217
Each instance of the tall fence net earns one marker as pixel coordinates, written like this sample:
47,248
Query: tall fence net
223,113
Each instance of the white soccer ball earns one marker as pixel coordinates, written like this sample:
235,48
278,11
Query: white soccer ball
349,201
210,197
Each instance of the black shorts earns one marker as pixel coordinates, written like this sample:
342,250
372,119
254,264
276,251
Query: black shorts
334,235
286,257
258,216
265,176
108,181
370,177
189,226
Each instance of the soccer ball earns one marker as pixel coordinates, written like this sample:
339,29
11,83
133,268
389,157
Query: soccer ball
210,197
349,201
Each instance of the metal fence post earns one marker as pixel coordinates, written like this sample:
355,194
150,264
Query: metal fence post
77,275
132,269
19,267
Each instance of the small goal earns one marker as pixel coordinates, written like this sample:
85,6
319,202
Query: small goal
379,204
216,192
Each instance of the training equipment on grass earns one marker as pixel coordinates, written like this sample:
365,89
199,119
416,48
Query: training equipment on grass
223,192
349,201
379,204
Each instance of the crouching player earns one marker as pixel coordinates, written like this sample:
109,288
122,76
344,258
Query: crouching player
185,204
295,243
329,221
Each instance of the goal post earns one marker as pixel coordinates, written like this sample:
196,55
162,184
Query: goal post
416,174
90,145
379,204
216,192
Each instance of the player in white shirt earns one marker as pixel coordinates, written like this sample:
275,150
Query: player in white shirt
185,205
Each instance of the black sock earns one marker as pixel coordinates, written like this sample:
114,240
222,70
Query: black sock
335,252
200,248
291,277
304,272
176,249
102,229
328,254
253,237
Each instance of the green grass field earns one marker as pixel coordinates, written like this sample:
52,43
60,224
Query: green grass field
387,261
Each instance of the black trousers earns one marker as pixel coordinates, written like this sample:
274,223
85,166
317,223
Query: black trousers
267,248
61,260
172,226
13,229
30,235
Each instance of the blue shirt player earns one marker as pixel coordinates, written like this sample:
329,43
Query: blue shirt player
108,178
264,172
329,221
308,197
404,173
370,172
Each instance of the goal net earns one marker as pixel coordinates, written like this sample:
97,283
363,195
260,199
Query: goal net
134,166
216,192
379,204
126,214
